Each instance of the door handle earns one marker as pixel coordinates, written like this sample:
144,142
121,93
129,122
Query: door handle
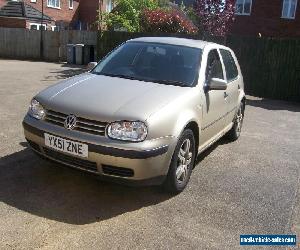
225,95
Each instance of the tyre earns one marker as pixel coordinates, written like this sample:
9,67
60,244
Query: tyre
182,163
235,132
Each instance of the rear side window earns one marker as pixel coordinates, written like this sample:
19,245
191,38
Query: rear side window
230,66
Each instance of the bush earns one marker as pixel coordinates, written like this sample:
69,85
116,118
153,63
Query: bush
164,20
126,15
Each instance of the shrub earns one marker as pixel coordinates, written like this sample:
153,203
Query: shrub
166,20
126,15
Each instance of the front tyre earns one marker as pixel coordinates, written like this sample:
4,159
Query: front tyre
182,163
236,129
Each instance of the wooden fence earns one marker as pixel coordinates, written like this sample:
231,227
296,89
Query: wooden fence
25,44
271,67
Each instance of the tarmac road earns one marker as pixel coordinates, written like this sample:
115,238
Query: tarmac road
247,187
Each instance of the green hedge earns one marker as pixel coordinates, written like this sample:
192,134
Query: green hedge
271,67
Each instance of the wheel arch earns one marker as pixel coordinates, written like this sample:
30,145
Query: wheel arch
193,125
244,104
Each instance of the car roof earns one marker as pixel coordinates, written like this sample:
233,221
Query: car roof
174,41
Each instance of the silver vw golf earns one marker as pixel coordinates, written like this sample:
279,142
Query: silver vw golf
143,113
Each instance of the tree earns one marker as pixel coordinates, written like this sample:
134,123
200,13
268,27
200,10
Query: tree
126,14
215,16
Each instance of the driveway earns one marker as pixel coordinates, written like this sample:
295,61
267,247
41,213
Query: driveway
245,187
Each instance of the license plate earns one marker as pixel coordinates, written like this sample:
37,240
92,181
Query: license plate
66,146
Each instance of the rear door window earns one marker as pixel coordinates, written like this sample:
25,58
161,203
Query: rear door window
230,66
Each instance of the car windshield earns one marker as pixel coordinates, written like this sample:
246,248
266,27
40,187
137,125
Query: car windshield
161,63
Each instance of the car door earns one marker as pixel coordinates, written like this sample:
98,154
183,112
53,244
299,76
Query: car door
214,106
233,84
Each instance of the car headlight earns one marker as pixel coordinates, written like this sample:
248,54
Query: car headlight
36,110
127,131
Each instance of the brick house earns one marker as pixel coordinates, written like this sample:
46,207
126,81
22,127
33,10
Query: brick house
271,18
58,14
88,11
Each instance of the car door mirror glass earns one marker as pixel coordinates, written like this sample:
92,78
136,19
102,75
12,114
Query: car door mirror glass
217,84
91,65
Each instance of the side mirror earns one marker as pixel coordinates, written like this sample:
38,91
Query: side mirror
91,65
217,84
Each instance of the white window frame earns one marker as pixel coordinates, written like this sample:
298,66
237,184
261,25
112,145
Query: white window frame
50,5
243,12
33,1
289,9
71,4
53,28
109,5
38,25
31,24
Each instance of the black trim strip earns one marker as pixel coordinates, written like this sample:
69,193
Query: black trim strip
158,180
131,154
33,130
223,116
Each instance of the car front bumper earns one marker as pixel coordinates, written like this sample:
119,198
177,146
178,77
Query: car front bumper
124,162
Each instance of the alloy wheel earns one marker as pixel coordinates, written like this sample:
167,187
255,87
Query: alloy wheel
239,120
184,161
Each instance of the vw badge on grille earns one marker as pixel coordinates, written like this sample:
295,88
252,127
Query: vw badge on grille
70,122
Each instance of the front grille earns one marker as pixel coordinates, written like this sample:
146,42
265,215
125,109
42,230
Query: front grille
82,125
123,172
77,162
34,145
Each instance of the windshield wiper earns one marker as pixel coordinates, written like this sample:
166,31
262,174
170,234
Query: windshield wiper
117,75
167,82
172,82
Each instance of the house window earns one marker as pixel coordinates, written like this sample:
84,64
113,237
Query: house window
109,6
34,26
243,7
53,3
37,26
54,28
43,27
70,4
289,9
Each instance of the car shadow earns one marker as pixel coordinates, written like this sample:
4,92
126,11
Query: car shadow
66,71
273,104
210,149
62,194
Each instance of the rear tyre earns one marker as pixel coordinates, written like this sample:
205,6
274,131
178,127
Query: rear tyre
236,129
182,163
